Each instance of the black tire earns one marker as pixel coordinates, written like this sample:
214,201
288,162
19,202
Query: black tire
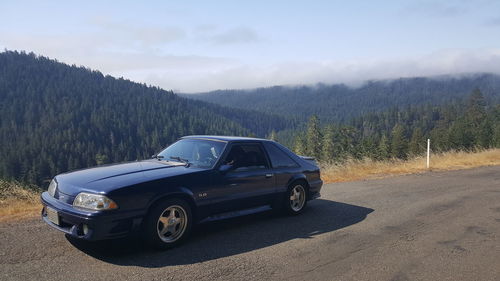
290,206
168,224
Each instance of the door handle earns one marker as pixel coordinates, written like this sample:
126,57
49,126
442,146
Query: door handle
269,175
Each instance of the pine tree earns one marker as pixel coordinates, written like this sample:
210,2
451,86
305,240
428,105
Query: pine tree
272,136
417,142
384,149
476,112
347,143
496,136
299,145
369,148
440,139
485,137
328,150
495,116
313,138
460,135
399,145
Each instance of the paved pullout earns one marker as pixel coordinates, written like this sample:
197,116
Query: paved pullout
432,226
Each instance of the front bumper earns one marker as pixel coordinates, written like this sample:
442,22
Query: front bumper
99,225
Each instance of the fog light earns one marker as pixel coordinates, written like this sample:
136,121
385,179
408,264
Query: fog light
85,229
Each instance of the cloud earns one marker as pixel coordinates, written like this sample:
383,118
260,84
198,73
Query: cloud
153,36
438,8
493,22
236,35
191,73
205,28
354,72
213,34
110,56
148,36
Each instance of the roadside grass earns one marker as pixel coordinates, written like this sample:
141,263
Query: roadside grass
354,170
18,201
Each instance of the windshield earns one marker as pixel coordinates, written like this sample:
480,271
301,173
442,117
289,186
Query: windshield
197,152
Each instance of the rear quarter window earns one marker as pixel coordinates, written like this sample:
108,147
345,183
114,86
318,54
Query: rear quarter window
279,159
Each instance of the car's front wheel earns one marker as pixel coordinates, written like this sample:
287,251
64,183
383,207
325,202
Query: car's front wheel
168,223
296,198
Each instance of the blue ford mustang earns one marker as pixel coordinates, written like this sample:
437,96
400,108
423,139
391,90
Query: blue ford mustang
196,179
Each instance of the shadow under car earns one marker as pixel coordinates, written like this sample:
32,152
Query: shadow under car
230,237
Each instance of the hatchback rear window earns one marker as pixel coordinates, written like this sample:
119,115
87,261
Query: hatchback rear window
279,159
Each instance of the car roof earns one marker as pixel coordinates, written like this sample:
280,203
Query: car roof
223,138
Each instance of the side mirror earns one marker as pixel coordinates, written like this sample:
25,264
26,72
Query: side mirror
225,168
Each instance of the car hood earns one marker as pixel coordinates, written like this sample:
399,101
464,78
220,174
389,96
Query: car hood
103,179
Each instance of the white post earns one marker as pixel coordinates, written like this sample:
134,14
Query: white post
428,152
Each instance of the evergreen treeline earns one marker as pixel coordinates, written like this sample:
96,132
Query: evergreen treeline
340,103
55,118
462,125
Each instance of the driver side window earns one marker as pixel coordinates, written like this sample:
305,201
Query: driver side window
244,157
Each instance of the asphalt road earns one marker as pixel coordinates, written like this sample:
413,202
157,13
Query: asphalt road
433,226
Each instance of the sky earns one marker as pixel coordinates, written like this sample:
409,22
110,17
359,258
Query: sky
196,46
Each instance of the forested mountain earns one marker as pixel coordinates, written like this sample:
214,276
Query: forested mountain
55,117
333,103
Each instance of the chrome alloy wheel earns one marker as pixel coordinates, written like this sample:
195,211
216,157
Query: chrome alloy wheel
297,198
172,223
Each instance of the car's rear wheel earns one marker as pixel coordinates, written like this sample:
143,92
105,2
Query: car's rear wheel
168,223
296,198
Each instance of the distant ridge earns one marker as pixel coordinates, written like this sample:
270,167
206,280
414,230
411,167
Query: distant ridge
339,102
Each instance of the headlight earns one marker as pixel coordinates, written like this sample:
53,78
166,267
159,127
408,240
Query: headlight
94,202
52,188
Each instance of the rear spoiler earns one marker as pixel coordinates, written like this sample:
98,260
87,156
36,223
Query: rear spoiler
309,158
